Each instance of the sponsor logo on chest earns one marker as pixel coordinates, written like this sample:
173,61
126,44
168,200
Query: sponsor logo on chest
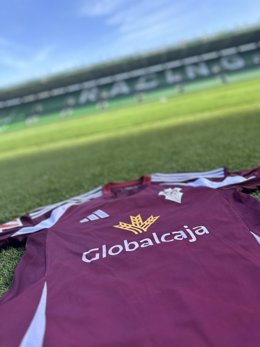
186,233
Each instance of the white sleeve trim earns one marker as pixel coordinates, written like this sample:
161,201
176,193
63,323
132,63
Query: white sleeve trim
46,223
95,193
56,214
204,182
34,335
256,237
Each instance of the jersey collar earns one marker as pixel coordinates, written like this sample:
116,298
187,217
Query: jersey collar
116,189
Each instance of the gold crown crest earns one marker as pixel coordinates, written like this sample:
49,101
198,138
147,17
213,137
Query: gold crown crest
137,224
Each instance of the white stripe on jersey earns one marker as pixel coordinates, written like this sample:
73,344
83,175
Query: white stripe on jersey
196,173
46,223
42,210
34,335
95,193
226,182
204,182
185,176
256,237
58,212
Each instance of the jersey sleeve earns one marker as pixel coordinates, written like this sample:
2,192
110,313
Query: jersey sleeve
41,219
244,180
250,182
248,209
18,229
38,220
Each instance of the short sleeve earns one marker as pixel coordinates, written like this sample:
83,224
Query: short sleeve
35,221
41,219
251,180
18,229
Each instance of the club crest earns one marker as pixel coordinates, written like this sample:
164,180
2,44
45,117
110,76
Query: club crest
173,194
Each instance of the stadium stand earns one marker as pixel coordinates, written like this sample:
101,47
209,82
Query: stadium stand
174,67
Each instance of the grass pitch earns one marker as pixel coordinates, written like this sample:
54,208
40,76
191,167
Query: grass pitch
50,162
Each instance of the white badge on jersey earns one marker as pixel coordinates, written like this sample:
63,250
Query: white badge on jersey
173,194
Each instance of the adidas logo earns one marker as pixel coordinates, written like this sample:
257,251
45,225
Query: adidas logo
99,214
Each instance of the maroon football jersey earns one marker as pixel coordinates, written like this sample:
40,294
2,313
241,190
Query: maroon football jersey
161,261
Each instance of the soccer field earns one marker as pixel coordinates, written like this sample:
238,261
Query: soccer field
52,161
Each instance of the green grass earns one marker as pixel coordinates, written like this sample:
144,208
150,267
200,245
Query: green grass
201,130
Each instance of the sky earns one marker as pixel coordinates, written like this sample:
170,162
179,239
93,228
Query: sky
42,38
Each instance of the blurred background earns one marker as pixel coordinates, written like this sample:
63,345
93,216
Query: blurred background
108,90
63,57
92,91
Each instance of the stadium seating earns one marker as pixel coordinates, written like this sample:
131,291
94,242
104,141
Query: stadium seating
174,67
